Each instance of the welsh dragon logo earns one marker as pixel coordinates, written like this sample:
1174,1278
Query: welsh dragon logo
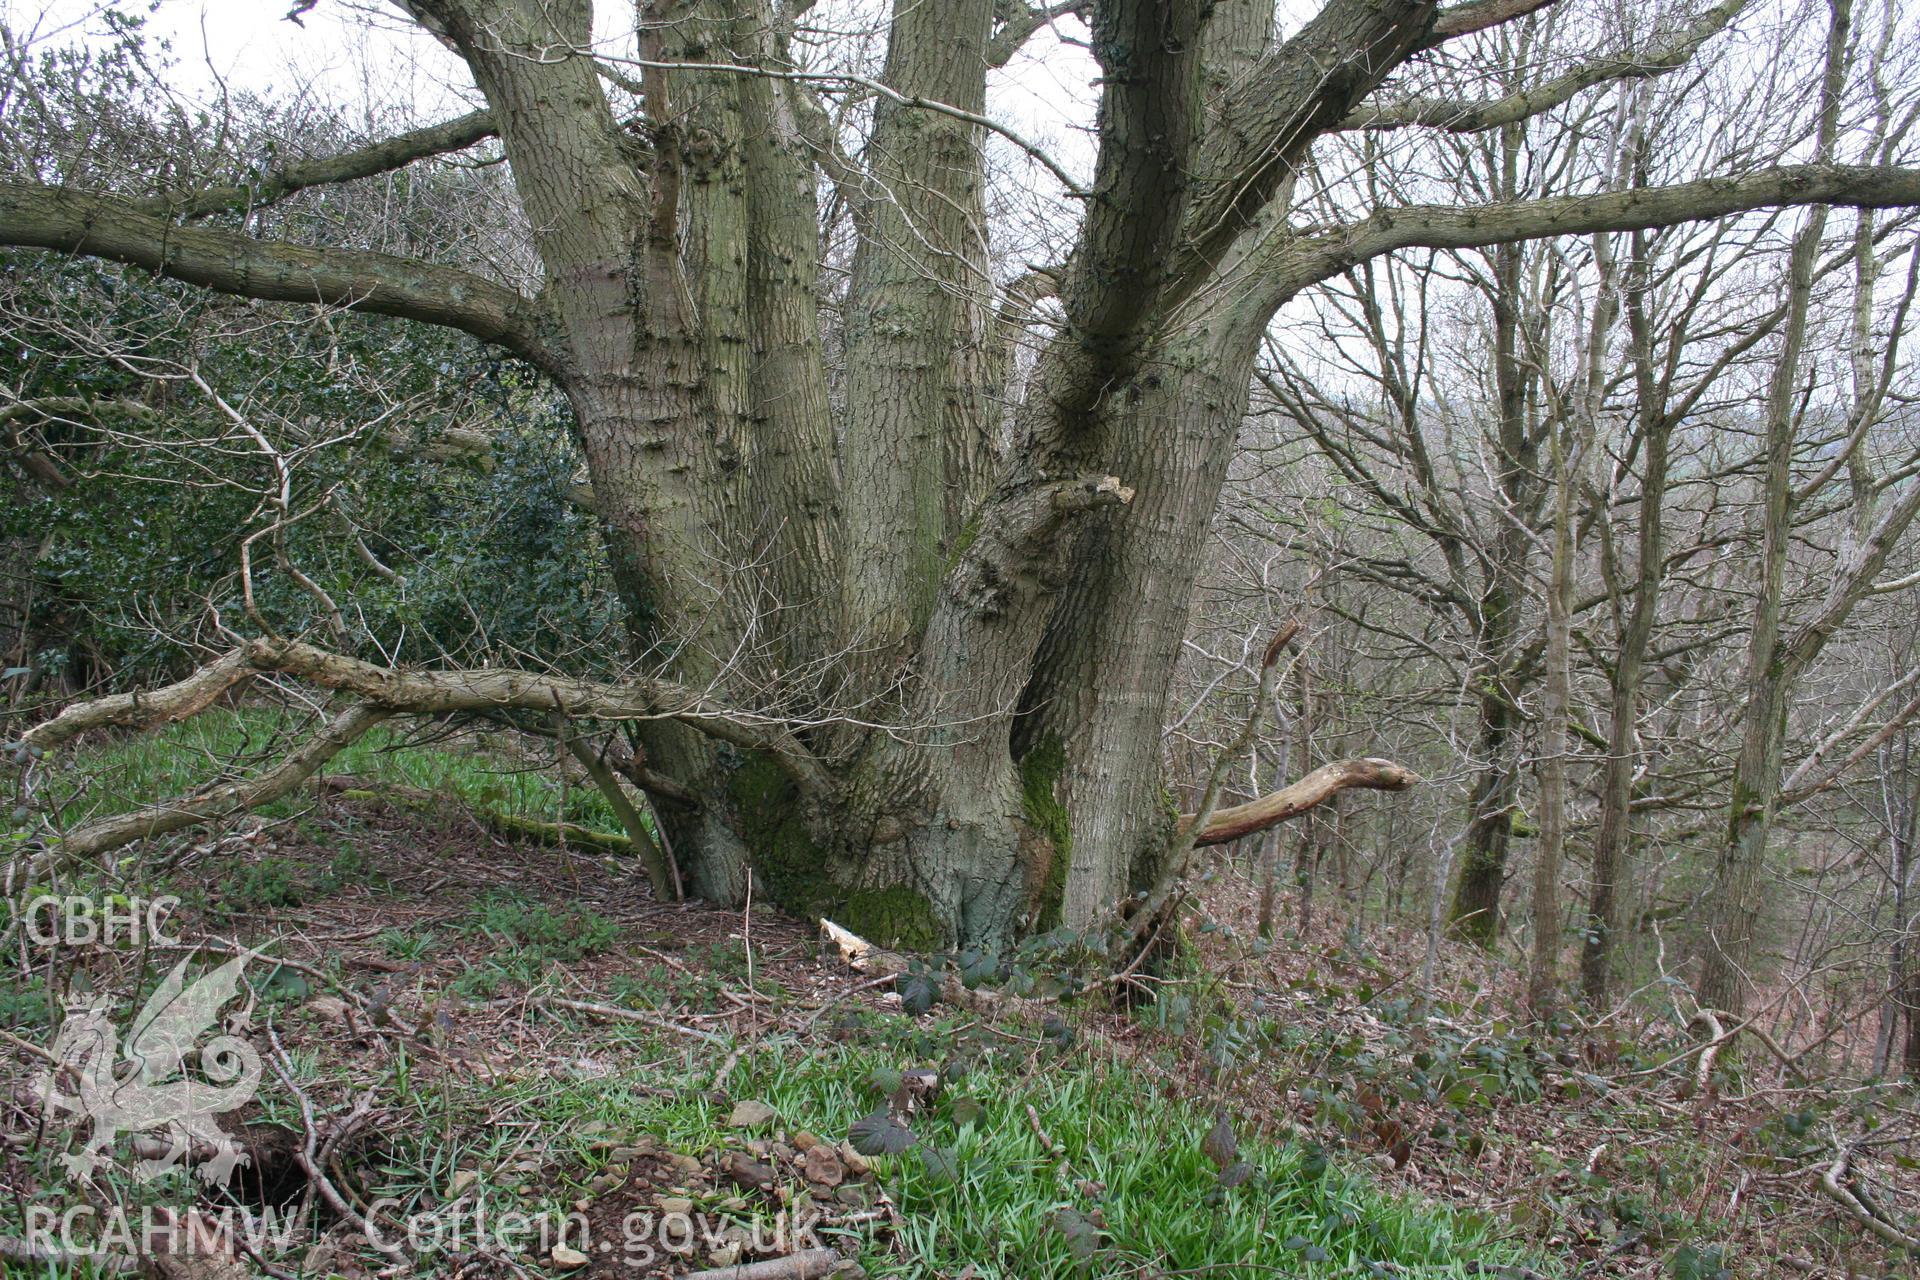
145,1086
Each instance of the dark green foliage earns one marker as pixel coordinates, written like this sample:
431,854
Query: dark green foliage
879,1134
1704,1263
488,556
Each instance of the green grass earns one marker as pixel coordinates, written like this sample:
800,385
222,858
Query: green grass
979,1186
990,1193
987,1191
522,925
142,768
528,938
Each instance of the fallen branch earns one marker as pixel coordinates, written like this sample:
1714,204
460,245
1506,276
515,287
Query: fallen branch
1716,1036
384,692
1186,833
1719,1035
145,710
437,692
661,872
228,798
805,1265
376,791
1315,789
1833,1182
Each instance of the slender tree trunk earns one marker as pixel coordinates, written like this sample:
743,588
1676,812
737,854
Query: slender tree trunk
1309,847
1270,842
1727,952
1900,796
1612,841
1543,978
1475,916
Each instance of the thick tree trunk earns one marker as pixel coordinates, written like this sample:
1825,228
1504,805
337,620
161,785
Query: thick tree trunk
1491,808
943,698
915,424
1089,740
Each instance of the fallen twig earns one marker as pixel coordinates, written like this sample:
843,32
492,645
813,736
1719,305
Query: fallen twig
617,1014
1833,1182
311,1162
1717,1036
805,1265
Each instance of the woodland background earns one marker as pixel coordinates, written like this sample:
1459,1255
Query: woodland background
1530,507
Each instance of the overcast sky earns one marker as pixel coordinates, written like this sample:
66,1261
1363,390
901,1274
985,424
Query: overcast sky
353,51
339,47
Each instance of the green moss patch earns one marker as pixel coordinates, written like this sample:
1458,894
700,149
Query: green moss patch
1040,770
786,858
896,917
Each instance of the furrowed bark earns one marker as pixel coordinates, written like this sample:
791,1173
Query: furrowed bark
911,271
1030,634
739,178
792,483
1096,704
1260,135
1166,423
605,211
1150,114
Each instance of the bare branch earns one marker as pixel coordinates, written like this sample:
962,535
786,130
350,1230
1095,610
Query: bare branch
1324,256
137,710
106,227
380,157
1478,15
1470,117
1015,33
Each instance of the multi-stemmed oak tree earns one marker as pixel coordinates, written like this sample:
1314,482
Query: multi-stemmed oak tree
904,606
